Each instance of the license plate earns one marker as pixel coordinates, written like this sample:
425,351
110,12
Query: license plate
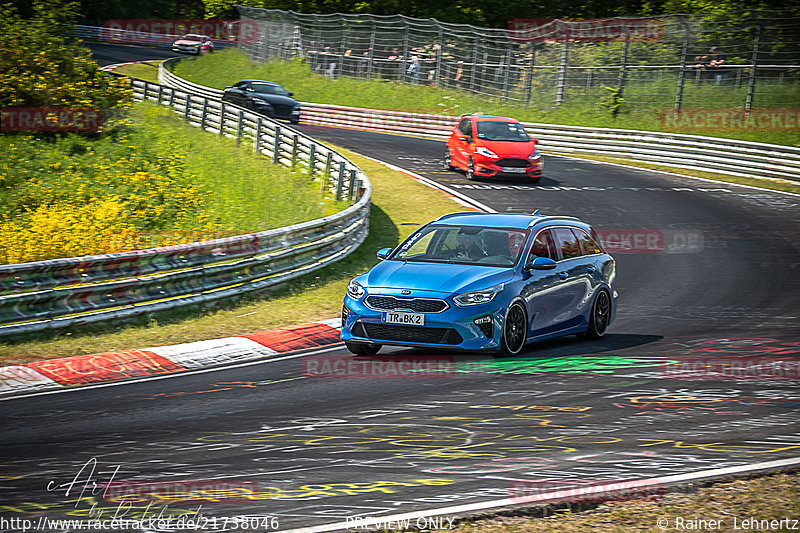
514,170
411,319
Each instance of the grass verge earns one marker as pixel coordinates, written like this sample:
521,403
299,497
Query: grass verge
582,108
772,497
400,204
146,70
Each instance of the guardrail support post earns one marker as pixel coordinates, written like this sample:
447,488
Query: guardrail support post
312,160
751,85
276,147
187,108
144,93
204,114
221,119
295,141
327,175
340,181
160,93
257,141
351,185
239,129
171,101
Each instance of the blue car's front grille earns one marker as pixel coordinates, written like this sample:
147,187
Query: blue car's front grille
416,305
390,332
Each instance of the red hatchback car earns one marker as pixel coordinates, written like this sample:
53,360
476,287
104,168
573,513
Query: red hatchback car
488,146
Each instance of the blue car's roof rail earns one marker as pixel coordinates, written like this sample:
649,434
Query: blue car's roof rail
554,217
448,215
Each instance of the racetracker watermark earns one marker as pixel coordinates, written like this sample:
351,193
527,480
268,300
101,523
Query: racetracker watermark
648,241
165,31
731,120
740,368
583,491
50,119
186,491
119,241
586,30
348,367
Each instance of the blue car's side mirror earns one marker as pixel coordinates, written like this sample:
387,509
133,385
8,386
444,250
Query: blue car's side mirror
383,253
541,263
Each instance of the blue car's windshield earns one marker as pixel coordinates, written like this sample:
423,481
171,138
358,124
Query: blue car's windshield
502,131
465,245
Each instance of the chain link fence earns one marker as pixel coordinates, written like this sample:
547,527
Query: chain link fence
730,60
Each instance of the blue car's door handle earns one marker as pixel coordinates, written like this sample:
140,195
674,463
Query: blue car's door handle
563,275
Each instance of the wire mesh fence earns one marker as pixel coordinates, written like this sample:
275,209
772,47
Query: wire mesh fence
729,60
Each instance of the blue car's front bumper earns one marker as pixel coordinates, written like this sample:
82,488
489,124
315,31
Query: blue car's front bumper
454,327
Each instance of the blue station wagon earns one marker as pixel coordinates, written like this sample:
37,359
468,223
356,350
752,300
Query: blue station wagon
483,281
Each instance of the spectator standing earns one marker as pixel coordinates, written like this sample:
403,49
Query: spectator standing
717,64
414,68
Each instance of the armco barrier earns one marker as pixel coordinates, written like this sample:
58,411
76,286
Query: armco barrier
693,152
72,291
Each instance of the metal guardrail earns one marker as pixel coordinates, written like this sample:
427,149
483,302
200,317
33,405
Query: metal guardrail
119,36
692,152
73,291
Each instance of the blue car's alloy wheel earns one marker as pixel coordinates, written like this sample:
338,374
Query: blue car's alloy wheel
514,330
598,321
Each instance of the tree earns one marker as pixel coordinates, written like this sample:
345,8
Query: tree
42,67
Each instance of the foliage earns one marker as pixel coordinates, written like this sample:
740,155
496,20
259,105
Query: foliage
41,67
614,102
161,183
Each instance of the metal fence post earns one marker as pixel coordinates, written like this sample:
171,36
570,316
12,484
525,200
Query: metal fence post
474,74
276,147
751,85
312,160
221,119
371,51
507,73
340,181
438,69
327,175
682,70
529,76
401,71
561,79
342,46
623,65
257,141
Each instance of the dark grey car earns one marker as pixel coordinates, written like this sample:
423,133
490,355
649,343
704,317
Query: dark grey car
265,97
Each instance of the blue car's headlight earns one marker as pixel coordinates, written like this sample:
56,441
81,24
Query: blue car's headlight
355,290
477,297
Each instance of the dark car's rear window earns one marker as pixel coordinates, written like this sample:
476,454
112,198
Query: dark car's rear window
268,88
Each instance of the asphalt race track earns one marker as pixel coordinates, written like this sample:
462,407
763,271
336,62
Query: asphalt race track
711,273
